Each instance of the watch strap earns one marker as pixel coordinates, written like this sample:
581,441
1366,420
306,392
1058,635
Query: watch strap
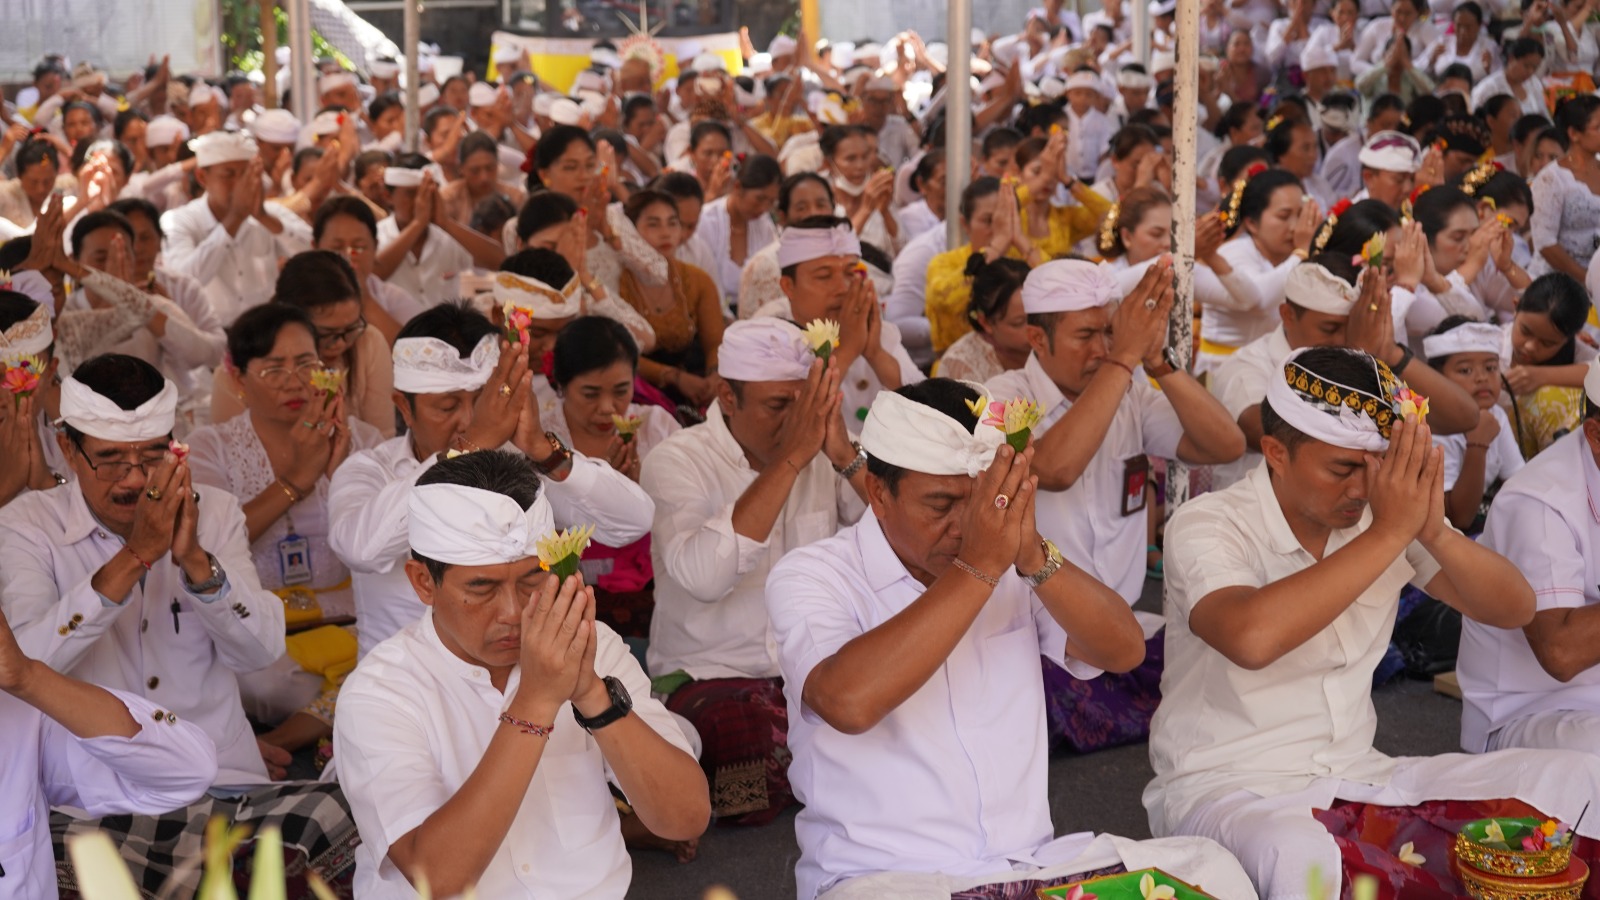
621,705
559,457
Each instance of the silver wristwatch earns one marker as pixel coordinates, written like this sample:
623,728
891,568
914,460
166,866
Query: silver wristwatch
1053,561
849,472
210,584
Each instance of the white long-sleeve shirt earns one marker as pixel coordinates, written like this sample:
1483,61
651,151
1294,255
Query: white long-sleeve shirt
711,618
414,722
173,647
432,275
1249,308
716,230
239,271
167,765
367,506
907,307
186,342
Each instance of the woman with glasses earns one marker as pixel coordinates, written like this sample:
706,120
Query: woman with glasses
323,285
276,457
346,225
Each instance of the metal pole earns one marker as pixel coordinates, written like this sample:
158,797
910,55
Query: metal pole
1141,31
302,63
413,37
269,54
1185,125
957,116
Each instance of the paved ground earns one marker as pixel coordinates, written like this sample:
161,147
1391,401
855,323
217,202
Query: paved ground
1099,792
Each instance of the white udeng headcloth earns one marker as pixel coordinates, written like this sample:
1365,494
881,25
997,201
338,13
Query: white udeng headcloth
1347,428
1313,287
798,245
532,294
919,438
1469,337
97,416
1068,285
30,337
427,365
765,348
467,526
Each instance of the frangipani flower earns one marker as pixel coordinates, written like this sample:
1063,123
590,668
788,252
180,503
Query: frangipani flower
1152,891
1365,888
21,376
978,406
626,426
822,336
518,318
179,449
1495,834
329,381
1016,419
1410,403
559,552
1076,892
1371,252
1408,854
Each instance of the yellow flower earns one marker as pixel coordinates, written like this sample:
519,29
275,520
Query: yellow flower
1494,833
626,426
1549,827
1152,891
1015,419
560,551
978,406
822,336
1408,854
330,381
1410,403
1372,250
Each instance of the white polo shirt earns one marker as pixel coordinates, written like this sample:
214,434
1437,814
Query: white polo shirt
1086,521
711,621
954,779
414,722
1546,520
1223,728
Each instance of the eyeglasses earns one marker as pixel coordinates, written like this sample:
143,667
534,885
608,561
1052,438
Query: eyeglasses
114,472
348,335
278,376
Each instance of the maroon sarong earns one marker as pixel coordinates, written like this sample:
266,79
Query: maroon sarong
1370,838
744,733
1109,711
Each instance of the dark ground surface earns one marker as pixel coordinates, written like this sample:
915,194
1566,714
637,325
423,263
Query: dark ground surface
1098,792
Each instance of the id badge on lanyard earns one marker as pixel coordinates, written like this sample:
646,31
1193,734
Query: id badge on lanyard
294,559
1135,475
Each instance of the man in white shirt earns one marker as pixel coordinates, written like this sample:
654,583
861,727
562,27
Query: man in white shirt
421,250
456,389
1389,162
897,140
1281,597
823,278
910,662
1321,309
475,746
1540,686
226,239
772,468
130,578
1102,421
69,743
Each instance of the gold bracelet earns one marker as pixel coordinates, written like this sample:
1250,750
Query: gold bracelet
288,489
990,580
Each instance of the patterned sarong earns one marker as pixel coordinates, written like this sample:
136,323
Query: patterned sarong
744,727
1370,838
1104,712
318,835
1028,890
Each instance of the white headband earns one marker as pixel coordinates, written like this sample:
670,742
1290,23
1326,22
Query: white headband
1469,337
335,81
1334,117
401,177
164,131
1313,287
1347,428
30,337
764,348
427,365
542,300
220,147
798,245
427,95
467,526
1391,151
277,126
384,69
917,437
1068,285
97,416
482,93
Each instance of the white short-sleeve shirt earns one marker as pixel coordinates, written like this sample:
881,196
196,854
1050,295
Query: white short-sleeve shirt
1222,728
1086,520
1546,520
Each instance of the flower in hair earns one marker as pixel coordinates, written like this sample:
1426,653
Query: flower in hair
1015,419
560,551
1371,252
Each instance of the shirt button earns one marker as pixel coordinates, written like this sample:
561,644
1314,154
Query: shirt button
63,631
153,683
172,718
77,617
100,534
144,626
158,715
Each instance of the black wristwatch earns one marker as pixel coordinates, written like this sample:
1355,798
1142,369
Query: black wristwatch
1405,359
621,705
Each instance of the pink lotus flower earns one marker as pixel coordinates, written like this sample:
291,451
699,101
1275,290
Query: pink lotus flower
22,378
1077,893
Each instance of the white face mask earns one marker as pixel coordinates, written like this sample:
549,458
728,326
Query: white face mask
853,188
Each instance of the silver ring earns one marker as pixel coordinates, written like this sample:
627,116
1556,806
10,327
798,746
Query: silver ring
1150,303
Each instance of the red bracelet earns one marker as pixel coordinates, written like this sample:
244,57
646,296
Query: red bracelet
1121,365
527,727
136,557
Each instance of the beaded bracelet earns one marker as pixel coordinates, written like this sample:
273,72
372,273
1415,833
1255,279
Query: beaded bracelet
136,557
527,727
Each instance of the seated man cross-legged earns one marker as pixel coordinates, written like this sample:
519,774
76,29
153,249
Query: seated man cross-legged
1282,592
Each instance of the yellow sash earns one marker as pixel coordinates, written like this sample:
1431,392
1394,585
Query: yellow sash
1216,349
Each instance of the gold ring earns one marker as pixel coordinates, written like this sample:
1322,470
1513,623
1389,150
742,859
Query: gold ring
505,390
309,424
153,493
1373,307
1001,501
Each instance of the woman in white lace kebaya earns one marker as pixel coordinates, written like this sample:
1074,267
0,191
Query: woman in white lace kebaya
276,457
1565,224
998,341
